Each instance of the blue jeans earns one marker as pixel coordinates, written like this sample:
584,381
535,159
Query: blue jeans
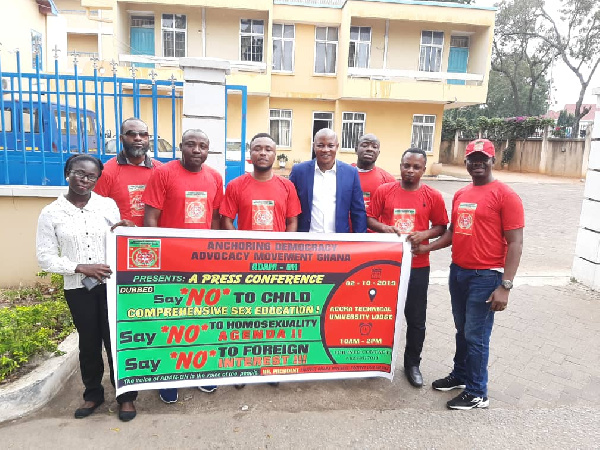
473,320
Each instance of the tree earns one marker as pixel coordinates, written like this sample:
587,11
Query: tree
575,39
520,61
565,119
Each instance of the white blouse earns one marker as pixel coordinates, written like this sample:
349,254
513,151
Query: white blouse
68,236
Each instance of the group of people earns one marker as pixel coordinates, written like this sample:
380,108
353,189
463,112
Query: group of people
323,195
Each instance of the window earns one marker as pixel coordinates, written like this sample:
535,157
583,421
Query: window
459,41
142,21
27,118
36,48
283,47
422,132
281,126
353,127
432,44
360,47
7,120
326,40
174,28
252,35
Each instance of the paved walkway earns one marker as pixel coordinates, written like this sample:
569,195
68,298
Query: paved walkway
544,376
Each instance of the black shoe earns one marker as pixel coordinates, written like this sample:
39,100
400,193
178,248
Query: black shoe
413,375
274,384
448,383
80,413
468,401
239,386
126,416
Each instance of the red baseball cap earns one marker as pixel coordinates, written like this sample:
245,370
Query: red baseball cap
484,146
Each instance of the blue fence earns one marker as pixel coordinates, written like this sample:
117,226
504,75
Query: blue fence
45,117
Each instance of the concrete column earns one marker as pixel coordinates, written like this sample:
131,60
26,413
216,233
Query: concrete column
204,103
586,265
544,152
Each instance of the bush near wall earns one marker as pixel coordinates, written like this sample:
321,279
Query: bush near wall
496,129
32,321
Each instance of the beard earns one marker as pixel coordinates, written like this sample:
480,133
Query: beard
262,169
133,152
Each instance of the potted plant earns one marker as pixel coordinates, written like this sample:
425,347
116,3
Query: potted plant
282,158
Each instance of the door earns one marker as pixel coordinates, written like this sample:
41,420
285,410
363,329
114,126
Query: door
142,37
320,120
459,57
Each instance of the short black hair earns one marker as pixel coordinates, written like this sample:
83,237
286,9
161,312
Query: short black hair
416,150
261,135
129,120
193,130
83,157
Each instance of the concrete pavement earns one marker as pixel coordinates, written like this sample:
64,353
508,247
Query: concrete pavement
544,376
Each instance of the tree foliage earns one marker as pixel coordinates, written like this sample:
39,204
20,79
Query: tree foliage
520,62
574,37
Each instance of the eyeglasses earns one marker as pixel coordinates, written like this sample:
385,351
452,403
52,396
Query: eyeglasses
134,134
80,175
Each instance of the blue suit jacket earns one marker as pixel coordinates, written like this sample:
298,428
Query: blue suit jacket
348,196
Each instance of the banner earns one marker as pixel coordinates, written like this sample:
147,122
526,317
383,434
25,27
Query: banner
202,307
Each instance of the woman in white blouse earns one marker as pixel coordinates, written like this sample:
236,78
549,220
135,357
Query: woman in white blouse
71,239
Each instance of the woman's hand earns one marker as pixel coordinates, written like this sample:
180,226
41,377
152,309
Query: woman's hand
123,223
97,271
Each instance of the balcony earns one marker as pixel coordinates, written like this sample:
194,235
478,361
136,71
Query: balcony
414,86
247,73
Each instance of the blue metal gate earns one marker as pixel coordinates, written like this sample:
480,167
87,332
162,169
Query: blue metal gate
45,117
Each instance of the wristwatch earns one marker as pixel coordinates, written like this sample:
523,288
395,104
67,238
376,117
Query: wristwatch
507,284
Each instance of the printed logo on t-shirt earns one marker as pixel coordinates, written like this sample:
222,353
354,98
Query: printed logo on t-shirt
196,205
367,198
465,218
262,215
404,219
135,199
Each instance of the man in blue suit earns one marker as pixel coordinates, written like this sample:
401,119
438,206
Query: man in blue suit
329,190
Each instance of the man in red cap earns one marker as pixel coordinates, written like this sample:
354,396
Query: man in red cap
486,234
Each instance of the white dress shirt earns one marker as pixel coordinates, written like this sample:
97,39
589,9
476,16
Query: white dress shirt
322,215
68,236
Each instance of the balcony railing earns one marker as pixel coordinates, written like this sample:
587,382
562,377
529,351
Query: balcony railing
240,66
418,75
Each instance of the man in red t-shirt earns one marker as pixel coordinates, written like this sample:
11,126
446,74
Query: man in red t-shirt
125,176
486,233
371,177
185,194
261,200
409,207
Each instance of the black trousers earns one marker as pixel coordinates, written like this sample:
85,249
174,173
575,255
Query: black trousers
415,311
90,315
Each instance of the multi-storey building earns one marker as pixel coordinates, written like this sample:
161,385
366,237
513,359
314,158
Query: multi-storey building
388,67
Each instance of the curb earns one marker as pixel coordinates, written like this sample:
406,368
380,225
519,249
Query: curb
39,386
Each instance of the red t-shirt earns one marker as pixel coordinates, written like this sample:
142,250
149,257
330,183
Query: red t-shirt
186,199
260,205
371,180
409,211
480,215
125,184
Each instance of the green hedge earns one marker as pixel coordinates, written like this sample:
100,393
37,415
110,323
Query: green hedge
26,331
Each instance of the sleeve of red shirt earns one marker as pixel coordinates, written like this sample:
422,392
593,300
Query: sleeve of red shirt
388,178
293,203
229,205
439,216
219,194
513,215
104,184
155,192
375,207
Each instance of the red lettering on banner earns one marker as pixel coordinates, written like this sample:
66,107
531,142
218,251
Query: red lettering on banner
186,359
212,297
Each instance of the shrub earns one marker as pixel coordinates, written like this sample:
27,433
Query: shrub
26,331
